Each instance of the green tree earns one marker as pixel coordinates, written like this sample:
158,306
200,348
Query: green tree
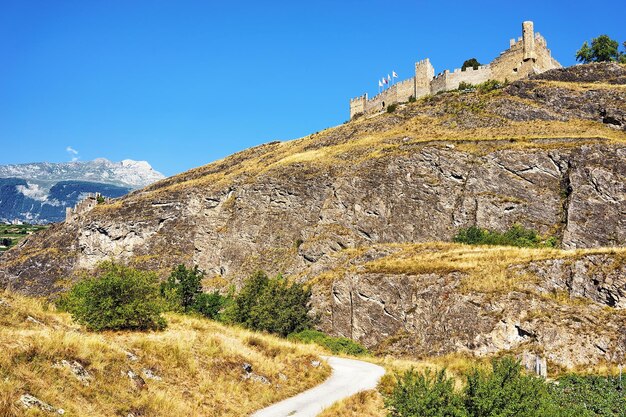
209,305
472,62
602,49
117,298
590,396
505,392
239,310
182,288
427,394
272,305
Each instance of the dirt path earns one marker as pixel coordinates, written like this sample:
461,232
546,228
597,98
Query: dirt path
349,377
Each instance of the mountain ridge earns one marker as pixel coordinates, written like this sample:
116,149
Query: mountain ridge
33,192
126,173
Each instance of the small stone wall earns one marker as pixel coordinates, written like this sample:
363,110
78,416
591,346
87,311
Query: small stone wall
84,206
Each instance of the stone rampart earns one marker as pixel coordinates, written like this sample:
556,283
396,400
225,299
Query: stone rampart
527,55
405,89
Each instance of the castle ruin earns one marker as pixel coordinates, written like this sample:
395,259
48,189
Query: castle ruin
527,55
84,206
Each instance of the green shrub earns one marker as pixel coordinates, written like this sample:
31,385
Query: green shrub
517,235
391,108
505,391
427,394
209,305
412,99
489,85
272,305
589,396
334,344
117,298
463,86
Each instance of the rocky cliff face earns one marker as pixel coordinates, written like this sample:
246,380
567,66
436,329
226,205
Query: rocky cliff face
537,153
558,307
294,216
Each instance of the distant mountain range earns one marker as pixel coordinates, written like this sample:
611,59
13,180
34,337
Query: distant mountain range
40,192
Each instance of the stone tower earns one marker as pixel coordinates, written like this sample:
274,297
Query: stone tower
357,105
528,38
424,74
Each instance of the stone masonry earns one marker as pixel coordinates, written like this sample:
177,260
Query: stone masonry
527,55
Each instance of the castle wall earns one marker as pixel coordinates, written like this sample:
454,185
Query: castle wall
511,65
83,206
447,80
405,89
439,83
382,100
424,74
528,36
357,105
470,75
527,55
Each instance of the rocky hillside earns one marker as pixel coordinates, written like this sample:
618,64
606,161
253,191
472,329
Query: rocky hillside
546,152
434,299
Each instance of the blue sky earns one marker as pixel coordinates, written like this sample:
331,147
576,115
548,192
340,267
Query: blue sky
183,83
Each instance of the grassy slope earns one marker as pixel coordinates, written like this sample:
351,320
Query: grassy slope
487,268
199,361
363,404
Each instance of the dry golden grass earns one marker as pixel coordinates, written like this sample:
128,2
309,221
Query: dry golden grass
363,404
582,86
199,361
486,268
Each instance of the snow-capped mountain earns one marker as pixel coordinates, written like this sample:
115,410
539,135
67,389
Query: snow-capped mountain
40,192
127,173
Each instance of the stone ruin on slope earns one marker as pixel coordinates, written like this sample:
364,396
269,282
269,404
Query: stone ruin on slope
84,206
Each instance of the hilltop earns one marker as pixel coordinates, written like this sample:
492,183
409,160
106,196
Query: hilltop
546,152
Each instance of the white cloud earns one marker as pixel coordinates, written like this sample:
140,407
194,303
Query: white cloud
73,153
33,191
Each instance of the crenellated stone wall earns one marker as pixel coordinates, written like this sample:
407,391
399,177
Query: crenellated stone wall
526,56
